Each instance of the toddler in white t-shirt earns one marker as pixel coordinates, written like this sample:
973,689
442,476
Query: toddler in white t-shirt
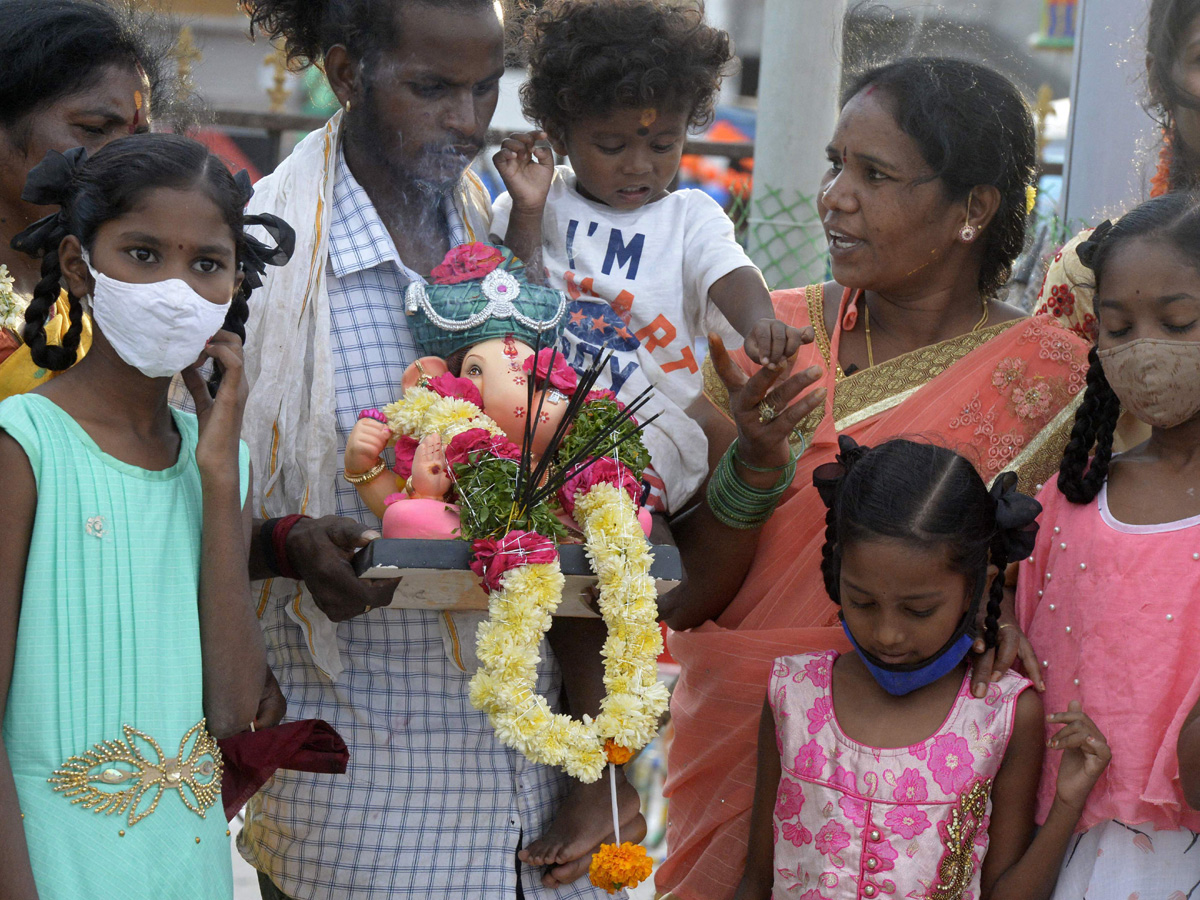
648,272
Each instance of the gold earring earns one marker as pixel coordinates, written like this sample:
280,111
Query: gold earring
967,233
347,106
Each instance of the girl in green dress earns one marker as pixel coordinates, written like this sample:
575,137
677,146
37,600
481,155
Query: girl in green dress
128,638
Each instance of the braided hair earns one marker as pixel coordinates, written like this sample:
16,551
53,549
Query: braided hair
1173,219
93,191
925,494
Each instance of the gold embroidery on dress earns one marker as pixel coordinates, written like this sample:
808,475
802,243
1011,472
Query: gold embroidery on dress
957,866
1040,459
909,370
95,779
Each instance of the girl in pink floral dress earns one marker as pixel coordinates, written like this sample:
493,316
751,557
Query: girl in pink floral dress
879,774
1110,597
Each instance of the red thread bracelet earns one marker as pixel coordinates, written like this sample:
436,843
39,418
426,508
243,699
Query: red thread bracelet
279,535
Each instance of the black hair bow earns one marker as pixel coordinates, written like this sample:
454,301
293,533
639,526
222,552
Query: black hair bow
1086,251
828,477
244,185
1016,517
49,184
256,255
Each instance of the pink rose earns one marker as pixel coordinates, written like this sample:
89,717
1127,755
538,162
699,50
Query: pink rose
911,787
552,369
907,821
950,761
517,548
466,262
406,448
447,385
603,394
463,447
603,471
790,799
832,838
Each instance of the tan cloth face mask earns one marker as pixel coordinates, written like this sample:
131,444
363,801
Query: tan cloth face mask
1157,381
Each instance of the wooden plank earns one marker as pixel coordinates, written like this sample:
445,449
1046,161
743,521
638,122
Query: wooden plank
436,575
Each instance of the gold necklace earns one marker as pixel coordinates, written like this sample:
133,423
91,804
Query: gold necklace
867,327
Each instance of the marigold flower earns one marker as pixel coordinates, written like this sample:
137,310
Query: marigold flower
616,754
617,867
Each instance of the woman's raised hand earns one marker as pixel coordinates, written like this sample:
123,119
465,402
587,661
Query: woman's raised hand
765,407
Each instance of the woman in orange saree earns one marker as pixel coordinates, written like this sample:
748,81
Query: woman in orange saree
1004,396
1002,393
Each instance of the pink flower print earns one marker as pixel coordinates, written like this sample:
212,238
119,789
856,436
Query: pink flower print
814,894
844,779
907,821
817,671
1031,400
796,834
790,799
1143,843
810,760
884,852
911,787
832,838
854,809
819,713
1178,895
919,751
950,761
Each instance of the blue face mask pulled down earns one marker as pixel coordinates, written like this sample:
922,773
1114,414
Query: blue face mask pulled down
905,678
899,680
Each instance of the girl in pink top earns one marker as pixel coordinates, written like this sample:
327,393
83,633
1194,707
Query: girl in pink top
880,775
1110,597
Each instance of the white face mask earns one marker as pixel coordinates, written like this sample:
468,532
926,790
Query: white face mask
157,328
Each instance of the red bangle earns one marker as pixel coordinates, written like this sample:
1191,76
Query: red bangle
279,535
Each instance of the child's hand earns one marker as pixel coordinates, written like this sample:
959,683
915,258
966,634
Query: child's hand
365,445
527,170
220,417
770,342
430,473
1085,754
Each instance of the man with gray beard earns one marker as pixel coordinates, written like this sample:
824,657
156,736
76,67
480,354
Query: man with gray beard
432,805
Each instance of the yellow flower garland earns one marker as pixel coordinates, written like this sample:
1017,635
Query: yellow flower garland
519,616
505,687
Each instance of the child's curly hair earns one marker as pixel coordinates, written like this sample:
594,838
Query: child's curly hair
588,57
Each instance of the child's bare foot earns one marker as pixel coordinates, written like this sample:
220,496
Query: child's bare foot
632,829
583,822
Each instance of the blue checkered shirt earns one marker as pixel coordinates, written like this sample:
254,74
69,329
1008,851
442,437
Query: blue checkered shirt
432,805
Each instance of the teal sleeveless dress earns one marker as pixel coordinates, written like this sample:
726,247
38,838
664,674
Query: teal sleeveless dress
119,782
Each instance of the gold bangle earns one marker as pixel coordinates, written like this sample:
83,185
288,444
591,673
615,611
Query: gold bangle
363,477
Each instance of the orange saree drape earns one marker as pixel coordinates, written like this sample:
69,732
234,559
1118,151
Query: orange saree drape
1003,396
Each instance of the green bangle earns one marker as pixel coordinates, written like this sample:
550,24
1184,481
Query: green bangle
779,468
739,505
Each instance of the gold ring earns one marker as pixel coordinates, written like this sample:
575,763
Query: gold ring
1006,625
766,412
